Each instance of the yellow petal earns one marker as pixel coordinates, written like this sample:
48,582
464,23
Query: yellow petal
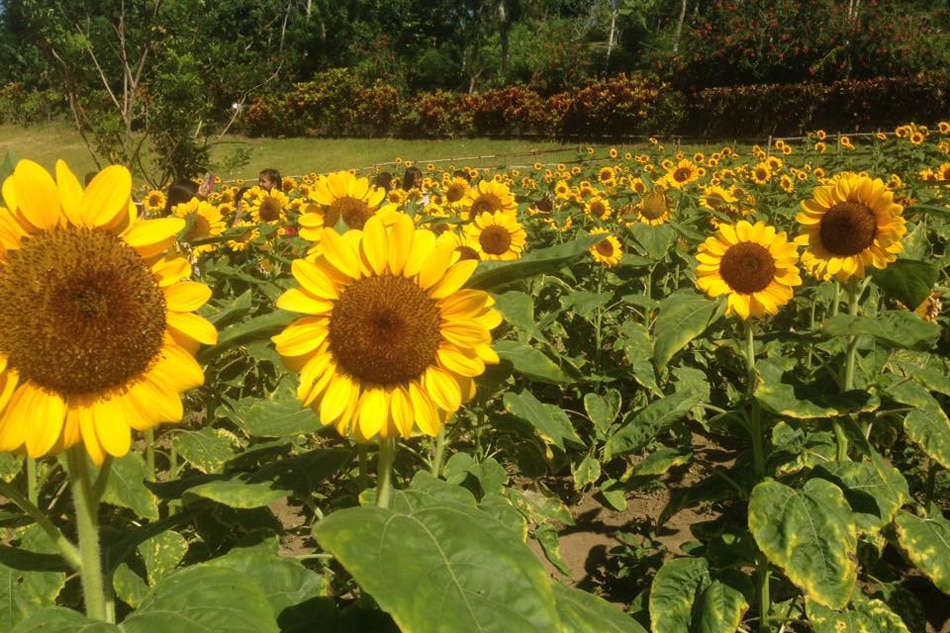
314,279
454,278
107,197
442,388
400,243
302,336
112,430
193,326
426,416
340,254
37,195
70,193
151,237
375,245
455,361
340,394
401,411
296,300
186,296
372,413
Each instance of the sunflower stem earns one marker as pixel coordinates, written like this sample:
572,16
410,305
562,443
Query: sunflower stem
66,548
87,524
362,480
758,456
439,454
32,492
851,358
384,476
150,454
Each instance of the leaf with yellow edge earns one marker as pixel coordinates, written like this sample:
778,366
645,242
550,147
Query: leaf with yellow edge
811,534
865,616
687,597
927,543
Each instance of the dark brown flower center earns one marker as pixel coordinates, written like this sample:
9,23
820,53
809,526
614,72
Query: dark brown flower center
598,208
682,174
486,202
201,228
455,192
605,248
384,330
654,205
495,240
467,252
354,212
847,229
79,311
747,267
270,209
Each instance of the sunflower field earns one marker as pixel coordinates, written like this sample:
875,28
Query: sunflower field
329,406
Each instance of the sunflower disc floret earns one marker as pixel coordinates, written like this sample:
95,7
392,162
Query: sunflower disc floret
391,342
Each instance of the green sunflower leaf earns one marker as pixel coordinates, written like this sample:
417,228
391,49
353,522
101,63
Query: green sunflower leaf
686,596
550,421
235,493
906,280
62,620
583,612
865,616
531,362
126,488
162,554
23,590
811,534
927,543
204,449
876,491
929,428
683,316
463,570
491,275
204,599
641,427
894,328
258,328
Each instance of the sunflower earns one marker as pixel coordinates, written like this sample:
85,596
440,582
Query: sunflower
97,333
154,201
268,207
607,251
345,197
488,197
598,208
654,208
208,222
390,341
456,189
681,174
499,236
751,263
761,173
848,224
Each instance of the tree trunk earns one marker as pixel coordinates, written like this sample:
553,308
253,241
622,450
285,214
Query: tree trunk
679,27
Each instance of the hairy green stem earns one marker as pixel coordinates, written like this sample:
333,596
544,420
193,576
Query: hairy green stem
32,492
438,454
87,525
384,475
67,549
150,454
757,434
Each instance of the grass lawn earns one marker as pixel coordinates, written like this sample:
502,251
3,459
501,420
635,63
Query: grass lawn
295,156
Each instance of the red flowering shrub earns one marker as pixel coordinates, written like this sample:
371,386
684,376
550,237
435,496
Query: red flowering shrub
436,114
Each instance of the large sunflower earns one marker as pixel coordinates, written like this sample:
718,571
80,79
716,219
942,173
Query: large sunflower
345,197
848,224
488,197
497,236
655,208
752,264
391,341
96,325
267,207
208,222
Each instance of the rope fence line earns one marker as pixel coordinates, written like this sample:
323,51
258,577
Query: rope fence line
622,144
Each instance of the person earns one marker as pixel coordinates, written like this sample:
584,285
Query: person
179,192
269,179
412,179
384,180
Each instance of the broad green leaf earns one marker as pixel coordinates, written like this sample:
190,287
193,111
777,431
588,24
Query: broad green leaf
655,240
808,402
22,590
875,491
425,490
517,308
541,507
235,493
203,599
683,316
551,422
531,363
129,587
205,449
257,328
615,494
491,275
284,581
10,466
686,597
303,473
929,428
274,418
162,554
893,328
643,426
62,620
547,538
927,543
585,303
232,311
491,475
499,506
865,616
586,472
462,573
583,612
810,533
126,486
660,461
603,409
638,348
906,280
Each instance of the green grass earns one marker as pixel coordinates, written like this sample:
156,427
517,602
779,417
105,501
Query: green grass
296,156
